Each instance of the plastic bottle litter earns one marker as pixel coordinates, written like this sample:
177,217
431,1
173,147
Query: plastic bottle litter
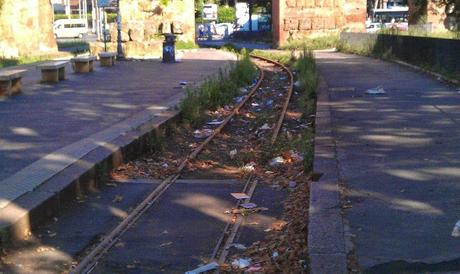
269,103
376,91
241,263
204,268
277,161
456,231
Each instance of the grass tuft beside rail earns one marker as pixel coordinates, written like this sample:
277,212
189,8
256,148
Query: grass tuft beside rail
219,90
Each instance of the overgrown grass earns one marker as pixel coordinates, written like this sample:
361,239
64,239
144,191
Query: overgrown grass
181,45
417,32
377,50
286,58
9,62
322,42
217,91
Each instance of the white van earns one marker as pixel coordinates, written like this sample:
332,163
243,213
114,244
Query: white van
69,28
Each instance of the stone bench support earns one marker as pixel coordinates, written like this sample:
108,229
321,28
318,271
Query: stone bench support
107,58
10,82
53,72
83,64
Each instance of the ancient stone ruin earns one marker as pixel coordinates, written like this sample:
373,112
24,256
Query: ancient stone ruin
26,28
144,21
294,19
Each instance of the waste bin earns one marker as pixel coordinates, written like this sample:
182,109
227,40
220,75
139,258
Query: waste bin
169,48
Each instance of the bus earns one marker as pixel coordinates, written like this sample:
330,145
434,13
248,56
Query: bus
393,17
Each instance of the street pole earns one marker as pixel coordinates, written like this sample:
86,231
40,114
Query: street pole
120,54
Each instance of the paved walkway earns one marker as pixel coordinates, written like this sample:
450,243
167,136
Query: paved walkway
399,159
48,118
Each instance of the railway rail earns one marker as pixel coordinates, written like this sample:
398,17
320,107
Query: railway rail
89,262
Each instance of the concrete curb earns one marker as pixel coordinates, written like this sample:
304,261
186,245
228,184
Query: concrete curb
326,240
123,141
429,72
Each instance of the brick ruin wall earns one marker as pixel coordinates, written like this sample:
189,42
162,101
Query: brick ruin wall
26,28
296,19
143,21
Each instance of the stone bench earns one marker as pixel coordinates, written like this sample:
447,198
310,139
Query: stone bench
83,64
107,58
53,72
10,82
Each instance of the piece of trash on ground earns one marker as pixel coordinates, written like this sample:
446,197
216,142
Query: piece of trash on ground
233,153
250,167
238,246
204,268
248,205
265,127
456,231
215,123
292,184
376,91
277,161
241,263
183,83
166,244
275,254
201,134
240,195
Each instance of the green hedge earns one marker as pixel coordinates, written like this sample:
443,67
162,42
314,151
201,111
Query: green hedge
226,14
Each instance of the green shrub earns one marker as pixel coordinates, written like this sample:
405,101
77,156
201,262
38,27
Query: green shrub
180,45
322,42
226,14
218,90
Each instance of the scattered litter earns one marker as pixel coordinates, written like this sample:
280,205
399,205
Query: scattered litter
256,268
456,231
297,157
204,268
215,122
239,99
277,161
265,127
292,184
249,167
233,153
165,165
248,205
376,91
240,195
245,212
244,90
166,244
269,103
275,254
298,85
255,104
241,263
183,83
201,134
238,246
117,199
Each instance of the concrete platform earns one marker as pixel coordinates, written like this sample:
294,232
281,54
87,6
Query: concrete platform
398,160
58,139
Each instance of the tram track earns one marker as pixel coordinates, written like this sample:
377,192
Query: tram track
89,262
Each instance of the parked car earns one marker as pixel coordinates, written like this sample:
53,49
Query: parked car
70,28
373,27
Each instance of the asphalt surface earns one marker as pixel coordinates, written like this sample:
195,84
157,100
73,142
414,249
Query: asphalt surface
398,157
45,118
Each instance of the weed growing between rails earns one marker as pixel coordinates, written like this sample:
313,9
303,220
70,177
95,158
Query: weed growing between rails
322,42
284,248
218,90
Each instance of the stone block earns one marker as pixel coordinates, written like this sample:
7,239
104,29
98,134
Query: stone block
305,24
291,24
